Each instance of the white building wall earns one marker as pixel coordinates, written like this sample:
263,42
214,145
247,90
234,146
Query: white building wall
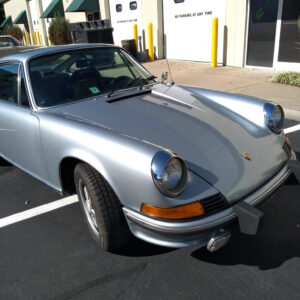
152,12
45,4
10,10
236,26
73,17
104,9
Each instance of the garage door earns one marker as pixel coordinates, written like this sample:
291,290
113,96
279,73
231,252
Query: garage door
125,13
187,28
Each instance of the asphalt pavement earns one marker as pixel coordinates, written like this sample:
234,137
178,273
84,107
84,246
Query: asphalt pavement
52,256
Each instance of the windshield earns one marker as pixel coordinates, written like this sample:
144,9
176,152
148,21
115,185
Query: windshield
78,74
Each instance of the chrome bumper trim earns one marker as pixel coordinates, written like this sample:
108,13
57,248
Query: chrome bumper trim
210,222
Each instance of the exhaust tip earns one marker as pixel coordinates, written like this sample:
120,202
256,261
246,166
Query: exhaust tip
218,241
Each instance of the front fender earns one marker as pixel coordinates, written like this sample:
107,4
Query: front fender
247,107
125,162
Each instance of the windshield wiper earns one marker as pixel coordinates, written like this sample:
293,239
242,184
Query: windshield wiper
146,79
130,83
129,95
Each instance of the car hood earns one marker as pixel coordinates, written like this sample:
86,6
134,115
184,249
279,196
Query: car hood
209,137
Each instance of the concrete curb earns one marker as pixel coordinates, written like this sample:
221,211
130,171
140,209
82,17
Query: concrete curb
292,114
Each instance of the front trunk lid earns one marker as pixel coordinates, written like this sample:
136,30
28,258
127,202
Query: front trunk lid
210,138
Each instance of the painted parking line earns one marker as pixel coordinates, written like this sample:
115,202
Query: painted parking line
292,129
30,213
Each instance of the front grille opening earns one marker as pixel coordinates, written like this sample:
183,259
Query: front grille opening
214,204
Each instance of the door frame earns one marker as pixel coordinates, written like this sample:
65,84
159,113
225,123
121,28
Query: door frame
277,66
281,66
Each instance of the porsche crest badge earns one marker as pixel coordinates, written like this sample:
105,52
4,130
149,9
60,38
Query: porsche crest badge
246,156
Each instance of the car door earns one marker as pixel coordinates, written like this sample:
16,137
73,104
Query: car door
19,128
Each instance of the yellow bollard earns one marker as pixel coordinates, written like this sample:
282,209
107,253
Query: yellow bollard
39,38
27,38
150,41
214,42
34,36
135,36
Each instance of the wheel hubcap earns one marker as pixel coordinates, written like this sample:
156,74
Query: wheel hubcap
88,208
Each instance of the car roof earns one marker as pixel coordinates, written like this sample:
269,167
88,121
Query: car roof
25,53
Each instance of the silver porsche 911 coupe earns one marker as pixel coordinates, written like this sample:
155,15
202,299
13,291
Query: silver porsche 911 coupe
173,165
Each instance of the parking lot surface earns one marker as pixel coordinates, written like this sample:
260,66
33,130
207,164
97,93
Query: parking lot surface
52,255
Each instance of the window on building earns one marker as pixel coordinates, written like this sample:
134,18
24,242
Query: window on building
289,45
90,17
133,5
96,16
261,33
119,7
9,82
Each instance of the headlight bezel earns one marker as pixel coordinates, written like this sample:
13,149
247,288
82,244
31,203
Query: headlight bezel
159,162
269,109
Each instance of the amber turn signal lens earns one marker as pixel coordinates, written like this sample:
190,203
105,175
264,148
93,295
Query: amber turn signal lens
190,210
288,142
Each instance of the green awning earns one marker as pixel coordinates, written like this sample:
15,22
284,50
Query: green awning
54,9
7,21
21,18
83,5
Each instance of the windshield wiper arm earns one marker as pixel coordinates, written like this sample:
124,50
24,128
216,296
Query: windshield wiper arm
130,83
146,79
129,95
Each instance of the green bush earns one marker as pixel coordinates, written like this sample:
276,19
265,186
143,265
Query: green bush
15,31
59,33
292,78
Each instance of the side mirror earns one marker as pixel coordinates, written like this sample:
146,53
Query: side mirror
164,77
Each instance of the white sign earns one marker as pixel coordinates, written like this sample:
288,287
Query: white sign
188,28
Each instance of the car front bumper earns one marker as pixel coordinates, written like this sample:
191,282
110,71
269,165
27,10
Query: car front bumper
196,232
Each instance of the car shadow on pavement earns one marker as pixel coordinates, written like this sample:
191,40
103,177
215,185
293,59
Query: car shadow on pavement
139,248
277,241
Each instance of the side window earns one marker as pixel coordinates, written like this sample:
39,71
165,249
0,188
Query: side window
23,92
178,1
9,82
133,5
119,7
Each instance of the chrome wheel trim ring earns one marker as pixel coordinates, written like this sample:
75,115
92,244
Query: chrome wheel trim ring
88,208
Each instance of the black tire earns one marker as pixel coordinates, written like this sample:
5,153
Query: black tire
103,211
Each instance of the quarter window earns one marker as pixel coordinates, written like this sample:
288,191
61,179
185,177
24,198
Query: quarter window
23,93
9,83
133,5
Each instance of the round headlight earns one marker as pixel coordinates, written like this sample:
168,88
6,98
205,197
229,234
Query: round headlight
169,173
274,117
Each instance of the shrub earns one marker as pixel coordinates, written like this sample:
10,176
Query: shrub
59,33
292,78
15,31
